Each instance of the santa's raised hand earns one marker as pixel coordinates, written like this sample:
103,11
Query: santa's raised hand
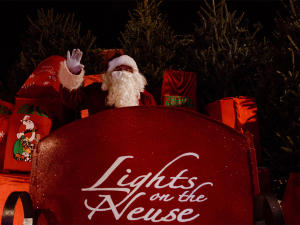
73,61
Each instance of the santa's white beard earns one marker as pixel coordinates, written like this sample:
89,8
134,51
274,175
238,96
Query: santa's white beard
123,87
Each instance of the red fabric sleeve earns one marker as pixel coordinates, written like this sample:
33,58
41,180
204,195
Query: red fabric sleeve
72,99
90,97
80,98
147,99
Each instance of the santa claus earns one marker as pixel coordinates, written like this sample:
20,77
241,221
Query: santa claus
26,139
122,85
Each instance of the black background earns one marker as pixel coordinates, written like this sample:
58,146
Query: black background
107,18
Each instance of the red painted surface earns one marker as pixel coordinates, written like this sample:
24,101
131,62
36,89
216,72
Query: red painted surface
155,162
10,183
265,180
291,200
42,126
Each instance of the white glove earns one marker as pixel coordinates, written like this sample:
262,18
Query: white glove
73,61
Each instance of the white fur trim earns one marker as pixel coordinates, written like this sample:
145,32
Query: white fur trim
68,79
122,60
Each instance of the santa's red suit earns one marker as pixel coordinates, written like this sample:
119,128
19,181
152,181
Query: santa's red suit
93,97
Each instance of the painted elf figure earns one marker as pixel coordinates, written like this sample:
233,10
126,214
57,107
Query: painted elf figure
122,85
26,135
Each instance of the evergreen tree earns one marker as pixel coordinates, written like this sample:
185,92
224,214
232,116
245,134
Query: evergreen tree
281,109
227,53
52,34
149,40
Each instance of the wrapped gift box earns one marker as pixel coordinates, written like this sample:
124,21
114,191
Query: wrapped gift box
27,125
239,113
179,89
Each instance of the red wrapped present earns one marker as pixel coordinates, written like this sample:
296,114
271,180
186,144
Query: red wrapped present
5,112
27,125
239,113
179,88
291,200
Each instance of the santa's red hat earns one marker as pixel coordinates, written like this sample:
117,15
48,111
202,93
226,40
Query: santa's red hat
122,60
26,117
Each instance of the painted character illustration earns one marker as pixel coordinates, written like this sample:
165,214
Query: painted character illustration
26,135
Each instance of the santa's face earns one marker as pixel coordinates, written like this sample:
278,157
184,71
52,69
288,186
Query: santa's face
28,124
124,68
124,87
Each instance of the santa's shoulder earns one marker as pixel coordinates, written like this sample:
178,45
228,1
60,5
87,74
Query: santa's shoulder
147,98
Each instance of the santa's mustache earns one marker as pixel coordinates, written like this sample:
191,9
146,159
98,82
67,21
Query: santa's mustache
123,87
112,79
116,75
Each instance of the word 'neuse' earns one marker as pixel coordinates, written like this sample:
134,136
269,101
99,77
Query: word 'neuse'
191,192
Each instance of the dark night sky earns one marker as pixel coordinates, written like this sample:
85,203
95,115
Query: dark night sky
107,18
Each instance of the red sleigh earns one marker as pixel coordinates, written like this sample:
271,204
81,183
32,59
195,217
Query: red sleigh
144,165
